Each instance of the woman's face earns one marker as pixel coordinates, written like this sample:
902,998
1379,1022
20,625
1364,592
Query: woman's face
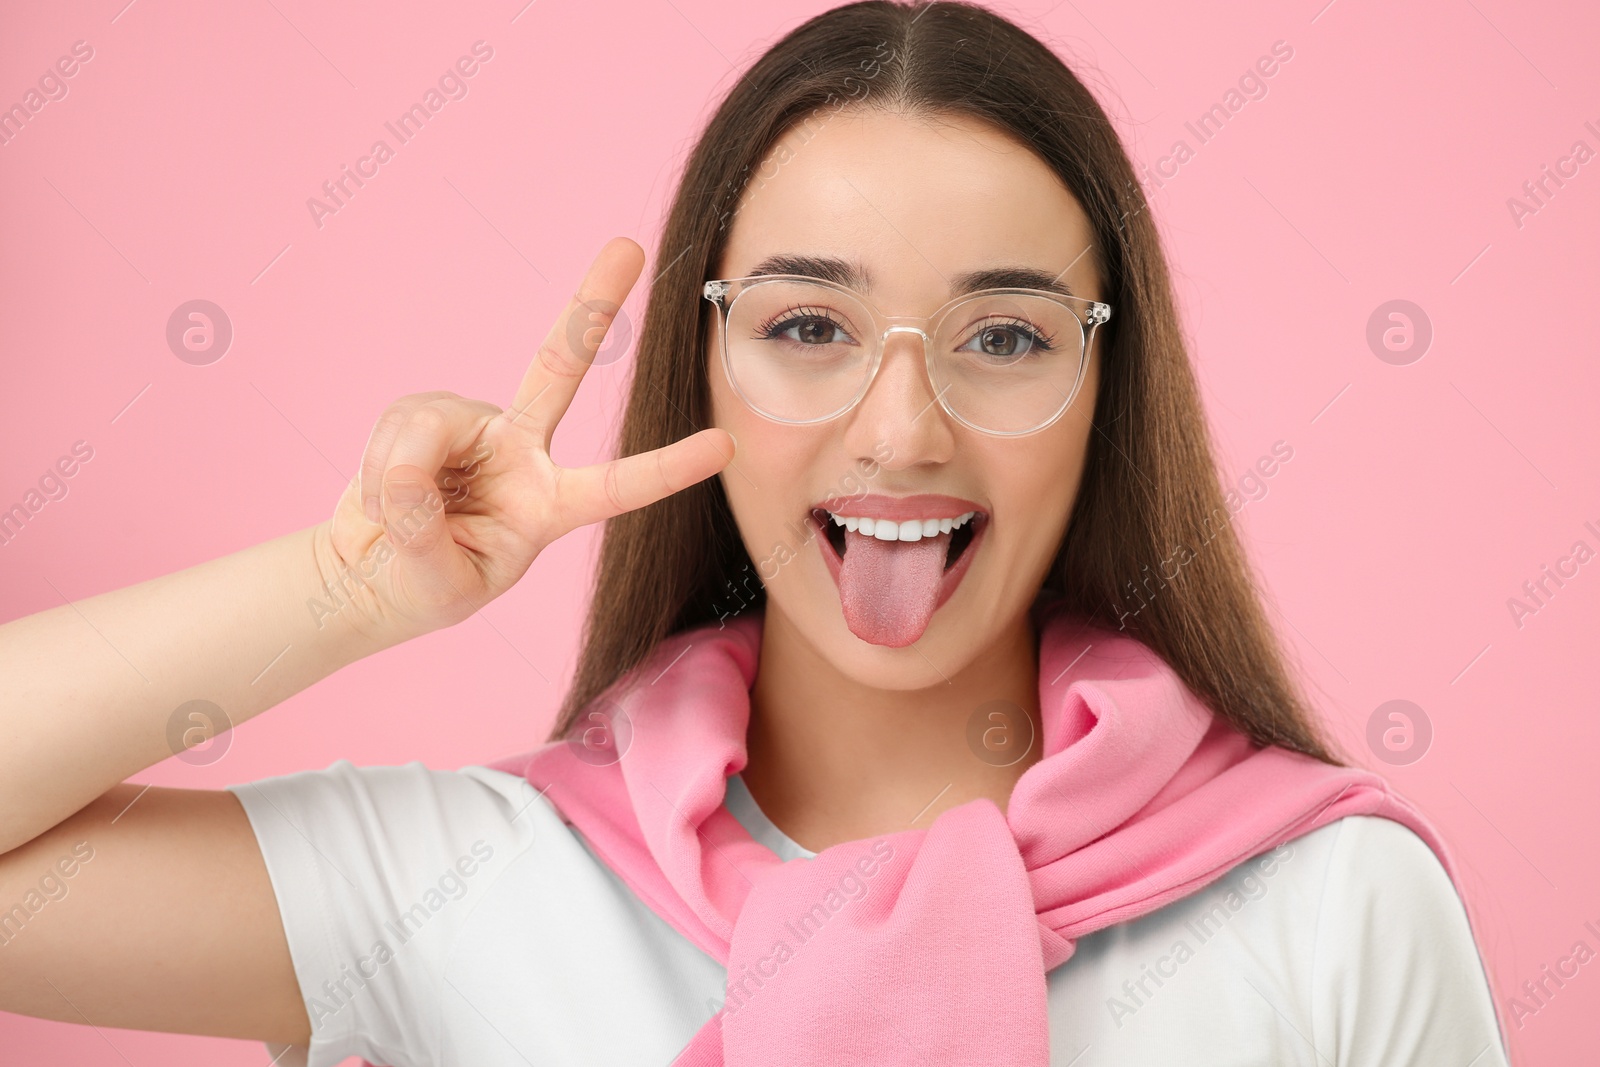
912,202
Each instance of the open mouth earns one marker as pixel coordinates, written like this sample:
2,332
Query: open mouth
958,532
896,560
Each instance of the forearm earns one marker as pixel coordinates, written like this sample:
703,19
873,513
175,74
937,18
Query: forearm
89,690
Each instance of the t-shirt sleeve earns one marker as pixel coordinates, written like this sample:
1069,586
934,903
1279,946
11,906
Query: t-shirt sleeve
1397,976
375,869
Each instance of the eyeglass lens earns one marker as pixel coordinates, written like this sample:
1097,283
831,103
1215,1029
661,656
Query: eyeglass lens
1003,362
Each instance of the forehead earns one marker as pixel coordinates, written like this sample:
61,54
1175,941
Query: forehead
917,201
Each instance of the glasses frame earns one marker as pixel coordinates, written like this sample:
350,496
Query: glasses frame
723,292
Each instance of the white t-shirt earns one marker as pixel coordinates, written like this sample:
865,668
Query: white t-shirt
452,917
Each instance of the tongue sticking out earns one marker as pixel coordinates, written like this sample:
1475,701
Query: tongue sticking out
889,588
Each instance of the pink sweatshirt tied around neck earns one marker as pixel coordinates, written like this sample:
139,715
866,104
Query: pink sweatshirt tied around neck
929,945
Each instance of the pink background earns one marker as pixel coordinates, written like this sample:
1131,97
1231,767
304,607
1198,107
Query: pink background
1378,167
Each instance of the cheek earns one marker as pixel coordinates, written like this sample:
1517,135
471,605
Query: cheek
1035,489
768,471
755,445
1038,482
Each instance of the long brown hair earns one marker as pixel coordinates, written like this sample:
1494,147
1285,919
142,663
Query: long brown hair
1150,484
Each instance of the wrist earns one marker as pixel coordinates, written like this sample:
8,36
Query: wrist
343,602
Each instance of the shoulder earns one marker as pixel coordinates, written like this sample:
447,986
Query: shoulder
1397,975
1344,946
1362,842
1357,878
453,916
408,813
392,788
1379,877
375,870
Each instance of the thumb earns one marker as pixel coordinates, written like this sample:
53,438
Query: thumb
434,575
413,517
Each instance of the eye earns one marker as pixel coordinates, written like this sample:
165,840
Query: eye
1008,340
806,326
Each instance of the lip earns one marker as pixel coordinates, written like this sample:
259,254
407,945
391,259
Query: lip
900,509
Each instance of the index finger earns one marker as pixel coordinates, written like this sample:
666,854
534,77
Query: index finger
569,348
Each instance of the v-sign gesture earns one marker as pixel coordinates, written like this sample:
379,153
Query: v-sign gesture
456,497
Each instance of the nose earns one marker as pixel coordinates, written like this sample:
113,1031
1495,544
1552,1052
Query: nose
900,409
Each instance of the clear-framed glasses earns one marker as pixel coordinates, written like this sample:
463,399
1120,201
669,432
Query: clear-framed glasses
801,350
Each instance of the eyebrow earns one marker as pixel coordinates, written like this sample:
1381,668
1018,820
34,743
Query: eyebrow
853,274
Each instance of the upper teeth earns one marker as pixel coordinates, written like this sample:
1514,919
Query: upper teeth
910,530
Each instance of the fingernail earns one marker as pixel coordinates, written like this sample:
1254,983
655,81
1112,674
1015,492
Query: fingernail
404,494
374,511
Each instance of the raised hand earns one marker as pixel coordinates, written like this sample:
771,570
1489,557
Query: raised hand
457,497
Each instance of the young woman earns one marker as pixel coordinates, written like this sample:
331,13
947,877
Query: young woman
925,714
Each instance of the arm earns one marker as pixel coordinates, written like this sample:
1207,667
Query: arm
152,908
88,689
156,911
154,916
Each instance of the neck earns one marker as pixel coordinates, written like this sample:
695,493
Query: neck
833,759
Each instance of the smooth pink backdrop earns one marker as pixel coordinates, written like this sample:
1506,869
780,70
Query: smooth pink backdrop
1378,167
